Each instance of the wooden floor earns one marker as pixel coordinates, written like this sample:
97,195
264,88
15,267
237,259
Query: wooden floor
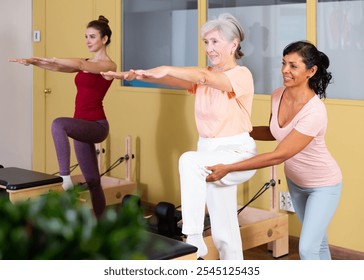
262,253
337,253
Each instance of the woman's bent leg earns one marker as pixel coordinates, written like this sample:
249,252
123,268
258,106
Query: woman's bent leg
87,159
221,198
85,135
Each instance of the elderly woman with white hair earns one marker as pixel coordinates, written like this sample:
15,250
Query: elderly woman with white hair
223,103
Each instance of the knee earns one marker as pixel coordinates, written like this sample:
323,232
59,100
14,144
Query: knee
93,182
57,125
185,157
185,160
307,251
236,178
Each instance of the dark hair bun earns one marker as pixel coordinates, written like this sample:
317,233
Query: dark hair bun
103,19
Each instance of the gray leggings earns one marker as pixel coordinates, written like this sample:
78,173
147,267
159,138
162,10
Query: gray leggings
315,208
85,134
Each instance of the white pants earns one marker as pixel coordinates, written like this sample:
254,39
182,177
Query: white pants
220,196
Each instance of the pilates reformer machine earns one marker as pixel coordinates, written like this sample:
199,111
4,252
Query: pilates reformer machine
21,184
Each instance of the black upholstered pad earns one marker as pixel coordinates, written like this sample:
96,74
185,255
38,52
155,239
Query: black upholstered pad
14,178
164,248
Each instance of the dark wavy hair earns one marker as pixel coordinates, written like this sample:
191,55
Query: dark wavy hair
311,56
102,25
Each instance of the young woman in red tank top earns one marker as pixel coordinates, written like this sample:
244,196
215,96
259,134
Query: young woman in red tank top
88,124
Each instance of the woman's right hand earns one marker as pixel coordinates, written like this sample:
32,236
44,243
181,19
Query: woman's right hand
24,61
216,172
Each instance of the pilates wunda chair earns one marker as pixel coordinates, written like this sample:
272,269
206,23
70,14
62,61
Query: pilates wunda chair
258,227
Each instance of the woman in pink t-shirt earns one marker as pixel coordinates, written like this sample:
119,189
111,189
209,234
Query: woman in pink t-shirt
223,102
298,122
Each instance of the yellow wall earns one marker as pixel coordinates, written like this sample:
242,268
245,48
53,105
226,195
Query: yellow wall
162,128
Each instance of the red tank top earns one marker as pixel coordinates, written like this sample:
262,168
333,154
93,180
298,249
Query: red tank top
91,90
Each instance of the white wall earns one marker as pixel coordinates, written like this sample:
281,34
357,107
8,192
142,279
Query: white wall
15,84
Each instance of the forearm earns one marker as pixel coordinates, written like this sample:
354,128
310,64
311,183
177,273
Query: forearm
36,61
68,64
49,64
194,75
256,162
170,81
80,64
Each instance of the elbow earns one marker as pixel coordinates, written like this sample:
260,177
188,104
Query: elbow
278,158
202,77
277,161
81,66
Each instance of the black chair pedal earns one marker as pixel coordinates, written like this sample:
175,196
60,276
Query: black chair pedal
168,218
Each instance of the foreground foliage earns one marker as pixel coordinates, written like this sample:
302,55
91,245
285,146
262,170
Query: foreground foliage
57,226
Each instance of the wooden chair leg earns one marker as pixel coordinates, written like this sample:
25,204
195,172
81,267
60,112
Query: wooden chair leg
279,247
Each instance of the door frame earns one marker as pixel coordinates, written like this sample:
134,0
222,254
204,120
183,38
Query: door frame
39,137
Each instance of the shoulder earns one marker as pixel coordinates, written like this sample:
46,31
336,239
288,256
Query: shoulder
313,115
239,72
316,105
110,64
106,64
277,93
240,69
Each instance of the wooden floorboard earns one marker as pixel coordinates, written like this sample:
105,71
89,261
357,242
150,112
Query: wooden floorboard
337,253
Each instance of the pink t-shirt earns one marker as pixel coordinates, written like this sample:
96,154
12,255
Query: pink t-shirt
313,166
223,114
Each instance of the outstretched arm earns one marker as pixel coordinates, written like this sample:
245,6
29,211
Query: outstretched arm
79,64
67,65
287,148
39,63
186,77
138,75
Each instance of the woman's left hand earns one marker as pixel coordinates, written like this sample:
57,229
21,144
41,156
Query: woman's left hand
158,72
